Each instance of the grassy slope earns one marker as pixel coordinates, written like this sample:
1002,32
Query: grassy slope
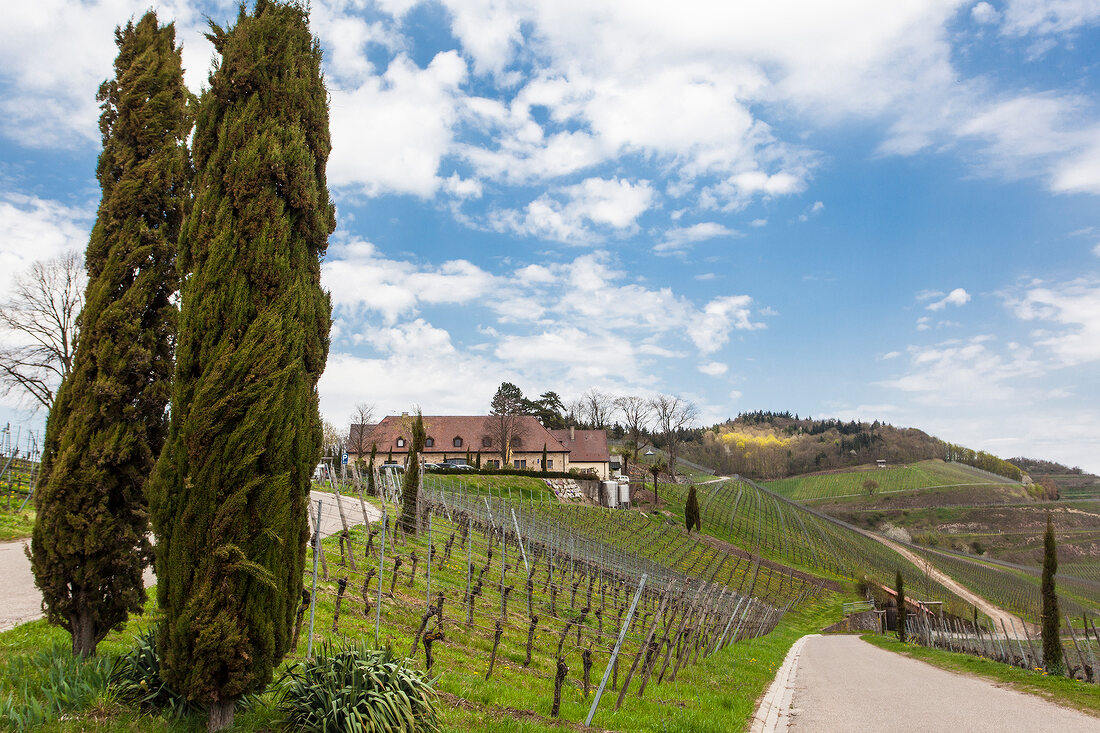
1060,690
16,525
719,694
915,477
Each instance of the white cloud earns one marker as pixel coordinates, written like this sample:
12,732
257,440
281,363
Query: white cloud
958,297
707,276
890,355
924,323
713,368
710,330
360,278
1096,249
759,222
390,133
959,372
580,213
1043,17
1075,307
680,238
984,13
813,210
734,395
34,229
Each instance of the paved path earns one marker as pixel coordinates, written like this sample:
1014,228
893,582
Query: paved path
842,683
20,600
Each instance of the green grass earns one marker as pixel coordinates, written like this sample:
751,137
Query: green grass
513,487
16,525
915,477
1060,690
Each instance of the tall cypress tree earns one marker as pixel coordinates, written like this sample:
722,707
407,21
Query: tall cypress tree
1052,642
411,489
108,423
691,511
229,496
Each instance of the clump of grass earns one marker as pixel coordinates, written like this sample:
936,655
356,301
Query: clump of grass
40,687
135,680
355,687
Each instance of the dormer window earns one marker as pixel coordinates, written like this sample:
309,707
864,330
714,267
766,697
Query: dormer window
486,442
515,442
457,442
400,443
429,443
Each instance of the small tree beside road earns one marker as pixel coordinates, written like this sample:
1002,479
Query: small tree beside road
899,584
1052,642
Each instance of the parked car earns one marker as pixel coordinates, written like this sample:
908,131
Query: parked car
457,463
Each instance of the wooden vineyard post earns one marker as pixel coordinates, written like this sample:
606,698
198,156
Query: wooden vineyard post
381,569
615,652
498,631
1073,637
645,646
343,520
341,586
1030,646
313,596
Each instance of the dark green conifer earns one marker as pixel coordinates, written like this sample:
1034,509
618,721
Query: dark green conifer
545,456
691,511
411,488
900,587
372,489
108,423
229,496
1052,642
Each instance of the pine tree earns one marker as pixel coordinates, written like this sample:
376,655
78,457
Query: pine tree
900,587
410,490
229,495
691,511
108,423
1052,642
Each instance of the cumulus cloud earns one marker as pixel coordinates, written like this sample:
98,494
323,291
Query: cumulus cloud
1073,311
958,297
582,212
965,371
678,239
713,368
1044,17
984,13
33,229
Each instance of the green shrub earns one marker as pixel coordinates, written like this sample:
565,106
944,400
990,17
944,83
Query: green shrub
41,687
136,680
355,688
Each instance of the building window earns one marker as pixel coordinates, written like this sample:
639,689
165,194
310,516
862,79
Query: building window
486,442
400,443
429,443
515,442
520,464
457,442
549,463
494,463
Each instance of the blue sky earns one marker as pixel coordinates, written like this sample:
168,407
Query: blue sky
854,209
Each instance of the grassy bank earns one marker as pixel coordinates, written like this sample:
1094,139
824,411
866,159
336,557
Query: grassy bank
15,525
1060,690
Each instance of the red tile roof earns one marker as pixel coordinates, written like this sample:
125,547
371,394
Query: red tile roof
472,429
586,446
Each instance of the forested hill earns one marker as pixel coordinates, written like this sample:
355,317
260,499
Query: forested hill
769,445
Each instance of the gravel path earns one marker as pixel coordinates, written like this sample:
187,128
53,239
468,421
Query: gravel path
842,683
21,602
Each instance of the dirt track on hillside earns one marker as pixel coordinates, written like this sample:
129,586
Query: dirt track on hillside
1002,618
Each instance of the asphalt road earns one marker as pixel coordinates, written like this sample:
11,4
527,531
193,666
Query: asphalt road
842,683
20,600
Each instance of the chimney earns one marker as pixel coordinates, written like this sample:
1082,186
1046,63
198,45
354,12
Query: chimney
572,433
404,414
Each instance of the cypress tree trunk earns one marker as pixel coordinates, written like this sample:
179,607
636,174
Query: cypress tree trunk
1052,643
108,422
229,495
411,488
901,607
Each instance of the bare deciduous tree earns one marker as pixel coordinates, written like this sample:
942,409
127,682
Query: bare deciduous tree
41,320
637,414
671,415
357,442
596,408
333,440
